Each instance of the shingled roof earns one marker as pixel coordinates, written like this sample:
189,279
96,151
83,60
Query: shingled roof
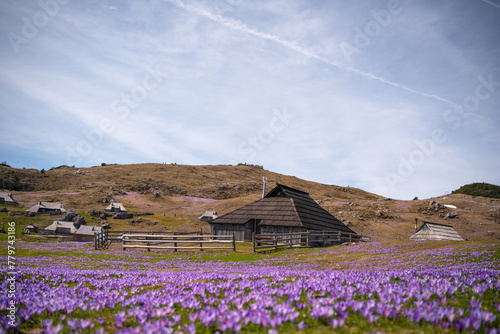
61,227
88,230
6,198
434,231
47,207
285,206
115,207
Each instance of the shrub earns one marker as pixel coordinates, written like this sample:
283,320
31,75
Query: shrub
479,189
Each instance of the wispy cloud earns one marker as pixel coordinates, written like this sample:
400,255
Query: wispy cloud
237,25
230,64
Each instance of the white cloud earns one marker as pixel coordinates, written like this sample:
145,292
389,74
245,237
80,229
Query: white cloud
110,7
229,64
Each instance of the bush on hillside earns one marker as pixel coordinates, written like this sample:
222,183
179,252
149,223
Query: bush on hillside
479,189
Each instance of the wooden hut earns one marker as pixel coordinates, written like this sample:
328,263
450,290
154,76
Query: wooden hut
60,228
282,210
115,207
434,231
30,229
86,233
6,198
47,207
208,216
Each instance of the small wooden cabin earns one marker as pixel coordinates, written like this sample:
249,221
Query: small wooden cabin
6,198
282,210
60,228
86,233
30,229
47,207
434,231
115,207
208,216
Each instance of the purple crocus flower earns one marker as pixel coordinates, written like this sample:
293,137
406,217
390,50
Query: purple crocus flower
191,328
337,323
72,324
120,318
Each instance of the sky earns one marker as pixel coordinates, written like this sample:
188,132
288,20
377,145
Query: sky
399,98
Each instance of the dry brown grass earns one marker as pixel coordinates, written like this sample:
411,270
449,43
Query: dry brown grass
188,191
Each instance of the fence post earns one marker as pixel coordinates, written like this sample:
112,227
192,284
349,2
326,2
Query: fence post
123,241
234,243
275,241
201,239
147,238
175,244
95,241
253,241
290,237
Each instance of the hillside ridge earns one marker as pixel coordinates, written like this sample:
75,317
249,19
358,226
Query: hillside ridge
178,194
206,181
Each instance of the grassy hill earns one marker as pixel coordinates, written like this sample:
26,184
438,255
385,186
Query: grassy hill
218,182
479,189
178,194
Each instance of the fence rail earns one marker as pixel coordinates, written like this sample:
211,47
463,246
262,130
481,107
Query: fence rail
177,241
309,238
106,237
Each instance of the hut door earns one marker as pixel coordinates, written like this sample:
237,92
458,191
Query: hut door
253,225
256,225
248,230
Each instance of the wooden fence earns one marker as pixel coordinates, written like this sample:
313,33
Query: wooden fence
177,241
309,238
101,239
117,236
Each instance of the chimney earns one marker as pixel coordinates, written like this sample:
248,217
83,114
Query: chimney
264,188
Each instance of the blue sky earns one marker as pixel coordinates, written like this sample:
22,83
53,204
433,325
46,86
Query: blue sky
399,98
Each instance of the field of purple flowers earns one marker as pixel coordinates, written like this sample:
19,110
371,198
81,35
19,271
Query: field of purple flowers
377,287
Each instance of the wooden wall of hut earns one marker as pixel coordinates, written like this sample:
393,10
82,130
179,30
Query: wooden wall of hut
229,229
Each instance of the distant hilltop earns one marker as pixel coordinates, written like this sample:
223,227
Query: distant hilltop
479,189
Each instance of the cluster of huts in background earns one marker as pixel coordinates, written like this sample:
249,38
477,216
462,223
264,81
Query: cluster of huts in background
72,226
283,210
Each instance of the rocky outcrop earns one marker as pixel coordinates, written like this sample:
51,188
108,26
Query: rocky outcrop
123,215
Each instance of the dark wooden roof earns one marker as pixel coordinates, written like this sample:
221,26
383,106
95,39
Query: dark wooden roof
285,206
